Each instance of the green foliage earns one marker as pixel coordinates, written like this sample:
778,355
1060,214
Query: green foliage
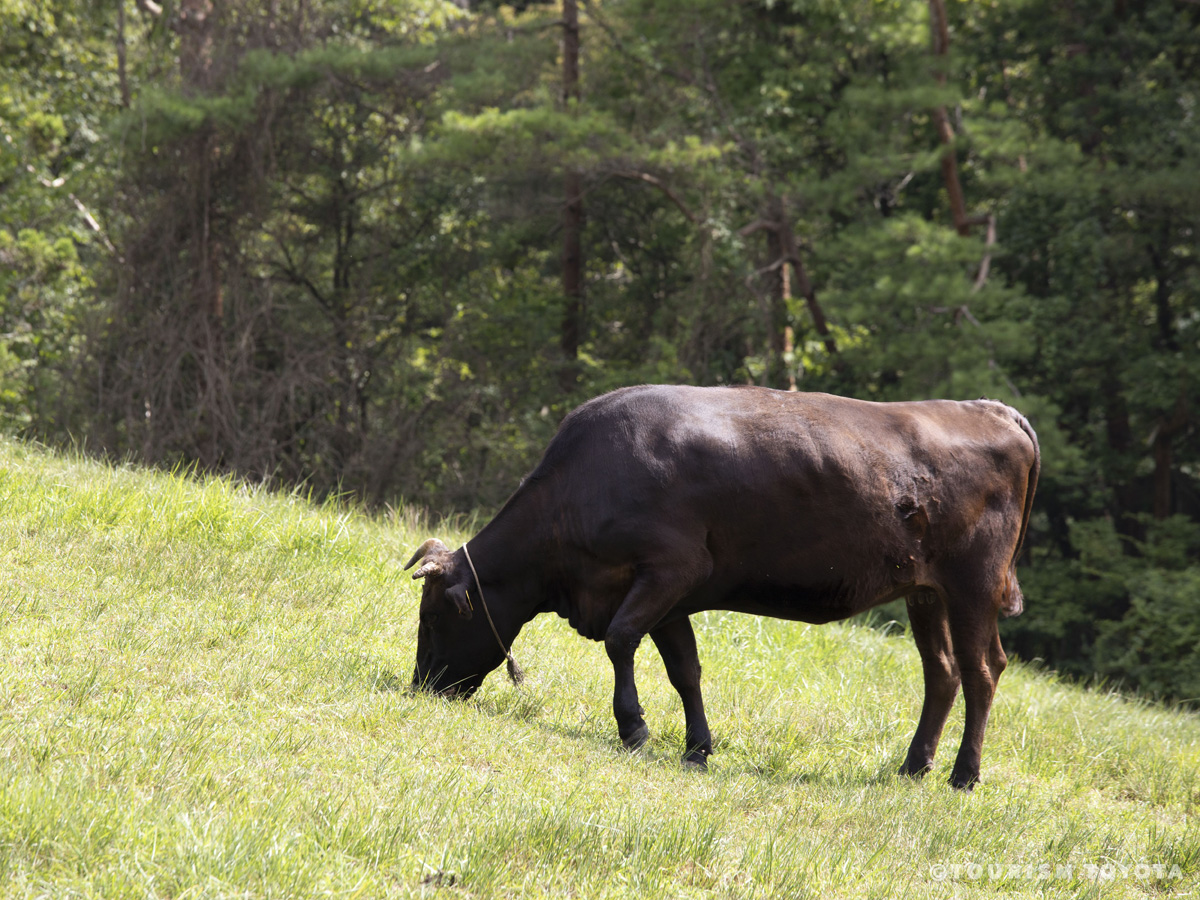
1124,608
1155,646
321,244
53,73
165,115
40,289
522,138
922,328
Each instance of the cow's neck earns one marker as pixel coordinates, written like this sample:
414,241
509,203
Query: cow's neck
510,559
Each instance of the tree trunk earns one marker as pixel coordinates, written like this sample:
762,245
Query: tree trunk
941,48
782,252
1162,474
1160,257
122,76
572,270
195,27
805,286
778,293
1164,435
572,258
195,44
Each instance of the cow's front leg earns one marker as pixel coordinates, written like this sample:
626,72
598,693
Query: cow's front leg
621,645
676,644
664,577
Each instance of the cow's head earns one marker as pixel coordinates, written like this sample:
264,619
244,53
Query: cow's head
455,645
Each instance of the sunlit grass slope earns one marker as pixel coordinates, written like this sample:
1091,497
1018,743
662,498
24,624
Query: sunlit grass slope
202,694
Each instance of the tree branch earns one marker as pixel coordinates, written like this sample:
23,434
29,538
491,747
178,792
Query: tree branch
986,263
805,287
766,270
653,181
93,224
293,276
791,254
756,226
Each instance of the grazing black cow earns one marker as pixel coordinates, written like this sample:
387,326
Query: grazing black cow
653,503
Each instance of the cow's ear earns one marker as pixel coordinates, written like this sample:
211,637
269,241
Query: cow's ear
435,554
461,600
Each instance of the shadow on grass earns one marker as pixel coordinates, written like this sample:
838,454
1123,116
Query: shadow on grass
598,734
386,680
832,772
358,667
665,749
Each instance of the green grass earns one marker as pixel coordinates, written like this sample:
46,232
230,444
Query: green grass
202,694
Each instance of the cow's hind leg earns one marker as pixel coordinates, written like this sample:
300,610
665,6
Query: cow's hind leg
973,630
658,586
931,632
676,643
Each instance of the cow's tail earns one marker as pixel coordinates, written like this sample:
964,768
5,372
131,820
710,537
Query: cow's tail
1014,601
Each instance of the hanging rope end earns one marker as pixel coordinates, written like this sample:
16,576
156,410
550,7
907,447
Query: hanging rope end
515,673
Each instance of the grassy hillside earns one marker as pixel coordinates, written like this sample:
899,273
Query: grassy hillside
202,694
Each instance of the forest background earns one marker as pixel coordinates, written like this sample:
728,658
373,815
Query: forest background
381,247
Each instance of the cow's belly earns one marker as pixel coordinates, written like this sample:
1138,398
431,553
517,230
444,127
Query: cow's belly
815,604
818,583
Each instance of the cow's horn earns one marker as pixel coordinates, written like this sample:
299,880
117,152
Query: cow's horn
433,566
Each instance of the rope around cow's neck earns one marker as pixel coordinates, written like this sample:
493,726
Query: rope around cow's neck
515,675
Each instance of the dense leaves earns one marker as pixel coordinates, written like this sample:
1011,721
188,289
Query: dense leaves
321,243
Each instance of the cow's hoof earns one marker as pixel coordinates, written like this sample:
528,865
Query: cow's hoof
637,739
695,762
965,783
915,771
